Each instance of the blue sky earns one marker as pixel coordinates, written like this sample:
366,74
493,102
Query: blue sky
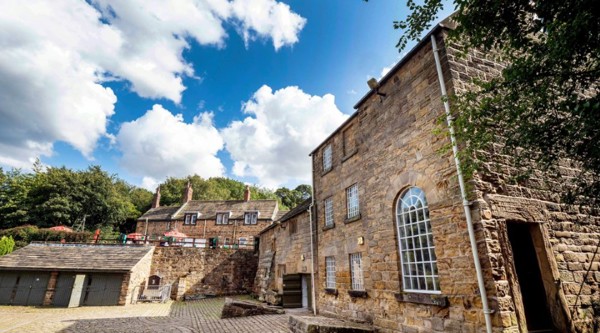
152,89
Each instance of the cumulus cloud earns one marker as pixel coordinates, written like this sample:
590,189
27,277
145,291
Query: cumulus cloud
282,127
160,144
55,55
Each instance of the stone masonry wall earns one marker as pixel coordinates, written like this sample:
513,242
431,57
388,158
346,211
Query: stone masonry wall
284,249
565,238
138,277
205,271
396,148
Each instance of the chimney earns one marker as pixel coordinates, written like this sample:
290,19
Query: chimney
247,193
156,199
187,193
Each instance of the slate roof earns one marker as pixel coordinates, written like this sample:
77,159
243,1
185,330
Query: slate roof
74,257
159,213
267,210
301,208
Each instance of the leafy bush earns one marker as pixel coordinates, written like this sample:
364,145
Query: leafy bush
7,245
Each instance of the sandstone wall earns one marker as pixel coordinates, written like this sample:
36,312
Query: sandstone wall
195,271
565,238
284,249
138,277
396,148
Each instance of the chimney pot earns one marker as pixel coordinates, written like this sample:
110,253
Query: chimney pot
247,193
156,199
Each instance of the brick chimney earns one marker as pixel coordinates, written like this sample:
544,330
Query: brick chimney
156,199
247,193
187,193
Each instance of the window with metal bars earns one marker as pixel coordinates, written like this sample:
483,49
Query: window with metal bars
352,206
327,157
356,271
328,212
330,272
415,243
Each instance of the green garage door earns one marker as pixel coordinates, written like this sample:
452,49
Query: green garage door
64,289
23,288
101,289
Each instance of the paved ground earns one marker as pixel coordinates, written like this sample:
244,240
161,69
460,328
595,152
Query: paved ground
196,316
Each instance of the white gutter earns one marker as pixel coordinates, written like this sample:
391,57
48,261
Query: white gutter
463,193
312,249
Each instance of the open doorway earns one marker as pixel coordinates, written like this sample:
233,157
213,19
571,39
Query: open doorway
529,278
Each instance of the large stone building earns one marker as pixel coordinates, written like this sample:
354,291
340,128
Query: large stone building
213,223
398,244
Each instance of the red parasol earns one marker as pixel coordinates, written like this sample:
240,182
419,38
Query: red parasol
62,228
175,234
135,236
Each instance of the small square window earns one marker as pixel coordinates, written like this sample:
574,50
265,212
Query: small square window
356,271
327,158
222,218
328,212
352,201
250,217
190,219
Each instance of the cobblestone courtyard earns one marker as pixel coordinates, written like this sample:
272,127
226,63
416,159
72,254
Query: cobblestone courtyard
196,316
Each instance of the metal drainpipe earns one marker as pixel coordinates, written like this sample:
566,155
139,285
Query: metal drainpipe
463,193
312,249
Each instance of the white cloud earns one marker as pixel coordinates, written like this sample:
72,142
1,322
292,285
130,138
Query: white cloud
160,144
273,142
55,55
268,18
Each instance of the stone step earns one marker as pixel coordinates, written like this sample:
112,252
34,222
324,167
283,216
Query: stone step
309,324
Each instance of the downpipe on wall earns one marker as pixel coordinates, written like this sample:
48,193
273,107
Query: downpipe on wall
463,193
312,248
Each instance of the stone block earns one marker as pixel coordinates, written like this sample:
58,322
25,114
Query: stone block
235,308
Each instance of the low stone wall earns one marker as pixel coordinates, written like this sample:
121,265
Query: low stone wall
194,271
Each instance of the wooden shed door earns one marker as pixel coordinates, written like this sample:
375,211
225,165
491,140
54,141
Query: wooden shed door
292,291
64,289
101,289
24,288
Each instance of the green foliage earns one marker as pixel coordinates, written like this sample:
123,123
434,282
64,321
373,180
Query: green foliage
544,108
215,188
61,196
292,198
7,245
26,234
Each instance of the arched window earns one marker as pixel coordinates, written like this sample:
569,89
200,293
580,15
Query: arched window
415,243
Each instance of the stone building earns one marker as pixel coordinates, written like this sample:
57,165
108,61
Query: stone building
394,244
285,254
218,223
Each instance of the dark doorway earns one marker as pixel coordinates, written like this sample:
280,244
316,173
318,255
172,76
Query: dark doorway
63,289
537,313
292,291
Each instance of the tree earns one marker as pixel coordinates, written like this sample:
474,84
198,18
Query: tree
292,198
545,106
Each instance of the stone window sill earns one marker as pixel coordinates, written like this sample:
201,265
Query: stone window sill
430,299
352,219
350,154
328,227
357,293
331,291
326,171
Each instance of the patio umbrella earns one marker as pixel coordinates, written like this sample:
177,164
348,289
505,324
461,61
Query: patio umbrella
135,236
175,234
61,228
